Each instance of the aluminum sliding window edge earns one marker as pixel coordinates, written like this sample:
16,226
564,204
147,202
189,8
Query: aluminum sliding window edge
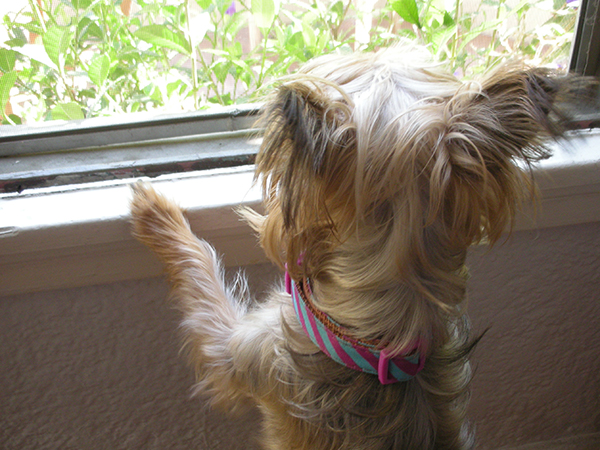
585,50
95,150
60,136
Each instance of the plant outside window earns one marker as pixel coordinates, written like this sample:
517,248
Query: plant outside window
76,59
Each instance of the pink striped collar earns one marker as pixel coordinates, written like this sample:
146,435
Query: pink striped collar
357,354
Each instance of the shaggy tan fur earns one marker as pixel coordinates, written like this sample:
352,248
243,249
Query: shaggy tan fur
380,171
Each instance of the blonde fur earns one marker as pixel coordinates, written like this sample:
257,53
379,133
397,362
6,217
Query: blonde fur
379,170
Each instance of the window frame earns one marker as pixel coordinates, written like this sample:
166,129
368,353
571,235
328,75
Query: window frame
23,148
585,50
137,146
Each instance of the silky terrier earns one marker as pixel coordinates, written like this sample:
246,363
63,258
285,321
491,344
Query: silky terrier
378,172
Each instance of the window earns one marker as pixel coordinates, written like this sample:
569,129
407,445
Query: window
586,45
95,60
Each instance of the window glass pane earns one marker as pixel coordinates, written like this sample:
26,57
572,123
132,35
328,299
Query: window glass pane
75,59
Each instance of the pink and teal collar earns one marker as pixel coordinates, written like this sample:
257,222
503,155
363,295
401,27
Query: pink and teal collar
357,354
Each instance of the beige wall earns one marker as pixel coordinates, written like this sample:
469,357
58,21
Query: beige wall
98,367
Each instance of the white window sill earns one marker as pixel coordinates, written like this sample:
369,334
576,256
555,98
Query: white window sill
75,236
57,238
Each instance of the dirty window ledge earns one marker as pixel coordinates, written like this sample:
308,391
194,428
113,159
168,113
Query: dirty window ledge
79,235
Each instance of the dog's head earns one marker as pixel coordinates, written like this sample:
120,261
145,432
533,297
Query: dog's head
383,161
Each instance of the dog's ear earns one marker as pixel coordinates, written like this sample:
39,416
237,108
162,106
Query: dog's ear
482,170
304,163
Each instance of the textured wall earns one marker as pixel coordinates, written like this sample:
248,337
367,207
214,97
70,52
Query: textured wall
98,367
538,368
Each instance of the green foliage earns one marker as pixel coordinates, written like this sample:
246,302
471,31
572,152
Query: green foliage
76,59
161,36
7,81
67,111
408,10
263,12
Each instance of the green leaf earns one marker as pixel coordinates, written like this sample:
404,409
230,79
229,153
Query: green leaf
17,42
89,93
296,41
20,35
440,38
407,9
558,4
216,51
67,111
222,5
204,4
7,81
220,70
154,93
172,87
309,34
98,70
81,4
448,20
263,12
235,51
7,60
32,27
338,9
12,119
281,36
56,43
242,65
162,36
87,28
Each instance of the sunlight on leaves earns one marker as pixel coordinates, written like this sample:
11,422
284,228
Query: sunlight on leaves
98,70
264,12
162,36
56,42
407,9
7,81
73,58
67,111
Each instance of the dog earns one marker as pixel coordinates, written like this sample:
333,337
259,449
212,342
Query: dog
378,172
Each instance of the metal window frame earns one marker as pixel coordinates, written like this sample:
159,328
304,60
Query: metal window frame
585,50
116,148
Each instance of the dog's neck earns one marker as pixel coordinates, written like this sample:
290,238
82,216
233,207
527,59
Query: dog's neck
390,364
388,306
